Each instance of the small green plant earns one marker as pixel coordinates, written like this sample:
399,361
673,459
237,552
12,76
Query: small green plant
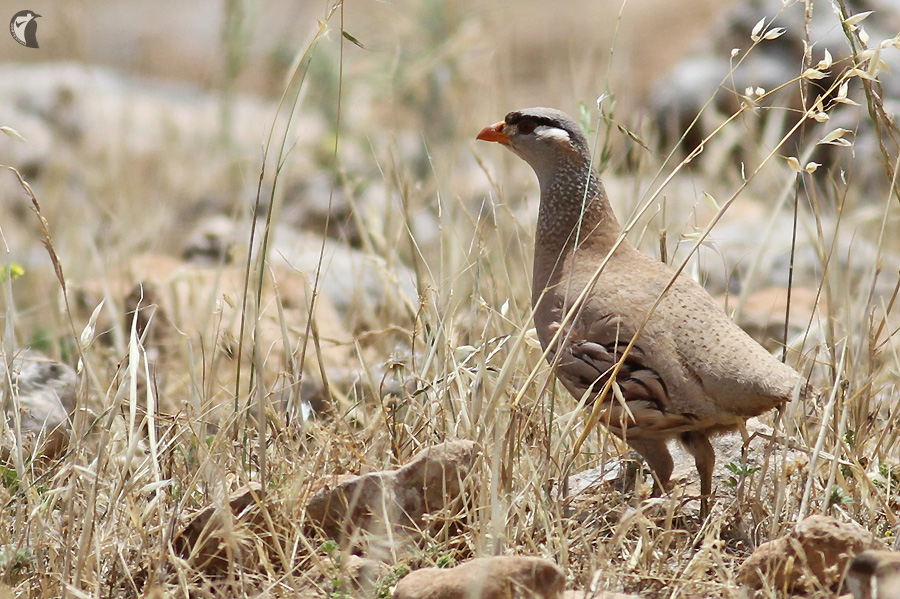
41,340
889,476
839,497
445,560
338,590
9,478
338,587
741,471
13,562
330,549
390,581
846,471
11,271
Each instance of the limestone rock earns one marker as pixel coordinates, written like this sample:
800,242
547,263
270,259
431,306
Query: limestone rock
393,499
357,283
43,390
486,578
813,556
694,87
216,536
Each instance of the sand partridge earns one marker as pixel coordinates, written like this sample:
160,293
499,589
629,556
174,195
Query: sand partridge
874,575
691,372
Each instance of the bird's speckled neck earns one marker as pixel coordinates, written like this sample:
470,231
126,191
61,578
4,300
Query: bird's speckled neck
574,207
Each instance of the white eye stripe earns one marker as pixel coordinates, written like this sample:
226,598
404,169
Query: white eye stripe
555,133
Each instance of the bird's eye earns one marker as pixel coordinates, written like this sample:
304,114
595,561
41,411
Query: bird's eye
527,126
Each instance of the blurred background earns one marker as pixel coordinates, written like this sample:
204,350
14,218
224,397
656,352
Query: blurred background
144,123
158,137
519,53
142,128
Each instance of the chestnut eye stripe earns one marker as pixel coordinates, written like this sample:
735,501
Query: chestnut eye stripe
514,118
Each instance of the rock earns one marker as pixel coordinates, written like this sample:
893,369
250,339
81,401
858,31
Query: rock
363,287
216,536
738,259
364,573
813,556
486,578
75,114
874,575
360,285
44,392
394,500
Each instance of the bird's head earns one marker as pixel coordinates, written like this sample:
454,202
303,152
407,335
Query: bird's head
545,138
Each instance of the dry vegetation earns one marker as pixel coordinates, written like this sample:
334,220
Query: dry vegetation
459,361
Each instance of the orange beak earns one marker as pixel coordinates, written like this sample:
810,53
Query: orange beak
494,133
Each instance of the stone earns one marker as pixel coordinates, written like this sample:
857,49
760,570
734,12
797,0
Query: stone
499,577
215,538
392,500
694,84
811,557
762,313
43,390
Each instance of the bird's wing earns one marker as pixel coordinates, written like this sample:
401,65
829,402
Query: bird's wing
586,355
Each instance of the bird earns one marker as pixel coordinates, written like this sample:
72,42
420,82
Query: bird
24,28
874,575
683,369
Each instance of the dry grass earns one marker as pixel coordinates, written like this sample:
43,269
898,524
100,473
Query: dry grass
463,362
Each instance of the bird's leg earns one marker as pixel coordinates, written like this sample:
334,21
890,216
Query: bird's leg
657,456
698,445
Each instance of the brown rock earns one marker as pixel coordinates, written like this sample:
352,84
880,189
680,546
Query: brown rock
813,556
220,535
486,578
43,390
433,477
394,499
874,575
